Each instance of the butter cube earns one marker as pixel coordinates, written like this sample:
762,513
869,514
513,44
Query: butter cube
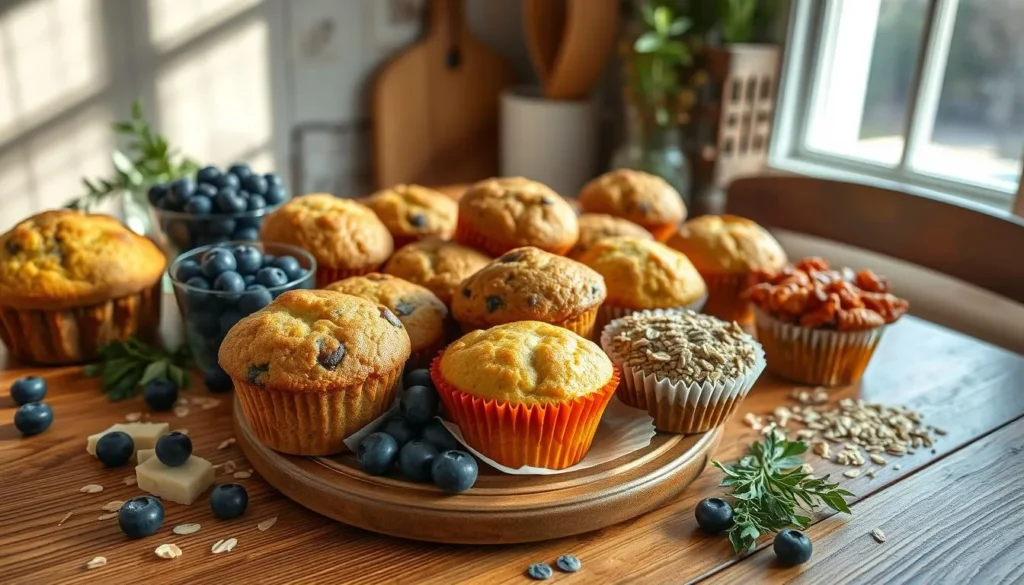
182,484
144,435
144,454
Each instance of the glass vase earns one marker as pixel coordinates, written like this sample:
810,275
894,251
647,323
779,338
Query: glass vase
655,148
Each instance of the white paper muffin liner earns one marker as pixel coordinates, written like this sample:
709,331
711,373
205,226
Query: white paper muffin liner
606,314
678,407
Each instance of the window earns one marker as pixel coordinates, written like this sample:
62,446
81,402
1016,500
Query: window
923,93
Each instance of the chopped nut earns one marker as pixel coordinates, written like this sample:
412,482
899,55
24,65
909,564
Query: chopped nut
878,535
168,551
820,448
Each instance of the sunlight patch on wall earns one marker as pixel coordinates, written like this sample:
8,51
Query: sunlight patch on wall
174,22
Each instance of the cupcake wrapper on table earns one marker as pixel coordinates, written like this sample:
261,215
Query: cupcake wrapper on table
552,436
75,334
467,236
608,313
326,275
315,423
819,357
725,299
582,325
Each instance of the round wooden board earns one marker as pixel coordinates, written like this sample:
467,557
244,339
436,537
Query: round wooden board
500,508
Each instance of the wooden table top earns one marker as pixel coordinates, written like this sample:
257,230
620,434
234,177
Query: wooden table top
955,514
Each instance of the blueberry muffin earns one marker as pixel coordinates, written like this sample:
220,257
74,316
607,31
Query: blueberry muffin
497,215
412,213
345,237
598,226
436,265
419,310
313,367
644,199
72,282
527,284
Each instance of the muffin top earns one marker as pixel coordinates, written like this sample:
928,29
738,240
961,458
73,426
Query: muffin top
526,362
727,244
597,226
640,197
411,212
339,233
515,212
437,265
64,258
417,308
313,341
528,284
644,274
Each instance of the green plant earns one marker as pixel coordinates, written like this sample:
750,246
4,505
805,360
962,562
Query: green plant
124,366
148,161
657,55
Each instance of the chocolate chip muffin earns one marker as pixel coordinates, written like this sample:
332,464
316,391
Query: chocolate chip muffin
412,213
436,265
72,282
313,367
644,199
598,226
419,310
497,215
527,284
345,237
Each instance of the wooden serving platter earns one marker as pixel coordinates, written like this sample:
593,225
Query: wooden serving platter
500,508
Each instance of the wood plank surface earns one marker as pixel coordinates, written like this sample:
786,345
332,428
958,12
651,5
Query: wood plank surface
959,383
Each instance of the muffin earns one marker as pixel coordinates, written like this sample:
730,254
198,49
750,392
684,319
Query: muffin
820,326
644,199
313,367
497,215
598,226
528,284
411,213
419,310
436,265
72,282
345,237
526,393
643,274
727,250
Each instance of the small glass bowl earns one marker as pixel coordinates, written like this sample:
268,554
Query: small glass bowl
209,314
177,232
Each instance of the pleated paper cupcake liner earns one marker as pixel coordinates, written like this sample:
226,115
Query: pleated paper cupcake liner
725,299
552,436
608,313
468,236
326,276
661,232
818,357
582,325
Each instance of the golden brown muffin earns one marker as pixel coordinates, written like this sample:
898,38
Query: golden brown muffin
419,310
313,367
437,265
497,215
598,226
412,213
345,237
644,199
71,282
527,284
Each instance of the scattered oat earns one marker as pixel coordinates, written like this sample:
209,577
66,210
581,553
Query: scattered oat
852,473
91,489
821,448
133,416
224,546
226,443
181,402
939,431
230,467
96,563
242,475
872,472
806,468
877,459
181,411
112,506
109,516
897,467
878,535
211,404
168,551
183,529
64,519
130,480
266,524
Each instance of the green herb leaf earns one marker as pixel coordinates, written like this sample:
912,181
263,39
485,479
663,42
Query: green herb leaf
154,371
647,43
126,365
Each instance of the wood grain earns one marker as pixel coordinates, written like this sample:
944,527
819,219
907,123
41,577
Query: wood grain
964,385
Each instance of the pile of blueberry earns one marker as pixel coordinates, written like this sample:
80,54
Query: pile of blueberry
417,442
214,201
226,284
33,415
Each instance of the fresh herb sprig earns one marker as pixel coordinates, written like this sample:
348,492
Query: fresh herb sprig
770,488
127,365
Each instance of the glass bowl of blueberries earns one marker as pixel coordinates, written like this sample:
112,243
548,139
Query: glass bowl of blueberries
215,207
219,284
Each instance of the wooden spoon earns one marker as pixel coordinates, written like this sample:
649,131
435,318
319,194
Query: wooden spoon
544,21
591,31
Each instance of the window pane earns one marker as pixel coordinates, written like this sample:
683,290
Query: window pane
978,134
865,75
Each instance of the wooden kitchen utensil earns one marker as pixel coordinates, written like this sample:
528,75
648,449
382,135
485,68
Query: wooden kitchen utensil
590,32
544,23
435,106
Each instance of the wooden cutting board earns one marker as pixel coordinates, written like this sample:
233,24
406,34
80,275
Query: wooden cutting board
435,106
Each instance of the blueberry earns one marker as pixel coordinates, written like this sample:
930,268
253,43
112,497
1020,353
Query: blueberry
115,449
415,460
271,277
248,259
454,471
568,563
418,404
419,377
218,229
181,191
173,449
217,380
229,201
291,267
228,319
228,501
402,430
203,324
217,261
141,516
438,436
256,202
206,190
275,194
250,279
187,268
248,234
33,418
28,389
377,453
156,193
540,571
240,170
208,174
792,547
255,184
160,394
199,282
226,180
199,205
273,179
229,282
256,297
714,515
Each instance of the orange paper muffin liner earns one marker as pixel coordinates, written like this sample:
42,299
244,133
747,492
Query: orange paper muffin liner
74,335
553,436
661,232
326,276
315,423
725,299
582,325
468,236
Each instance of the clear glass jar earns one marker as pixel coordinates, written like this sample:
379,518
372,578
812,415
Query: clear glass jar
654,148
